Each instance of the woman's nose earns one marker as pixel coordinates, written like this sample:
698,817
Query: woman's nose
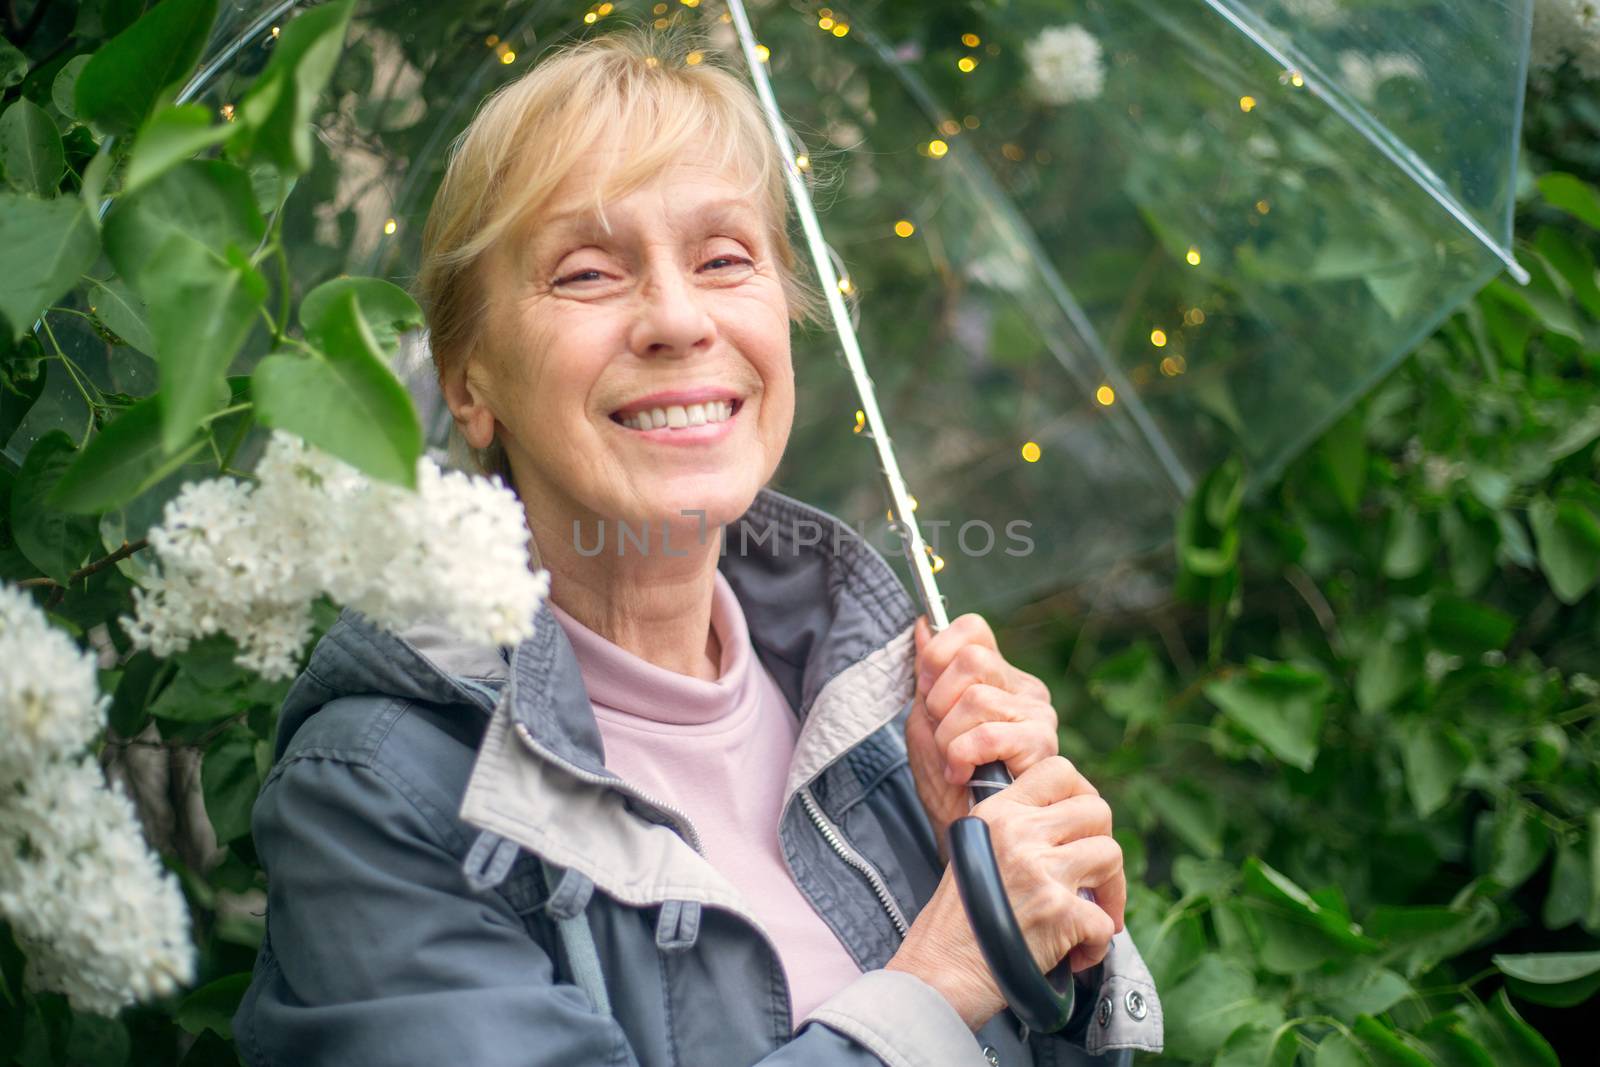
671,320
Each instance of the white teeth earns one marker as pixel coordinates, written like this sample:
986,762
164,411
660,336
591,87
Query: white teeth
681,416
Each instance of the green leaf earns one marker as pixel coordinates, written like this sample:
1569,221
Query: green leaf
208,201
1361,988
1217,998
1192,814
387,309
1336,1050
1131,685
1343,451
1567,537
1259,1046
96,1040
228,780
64,89
1574,263
128,75
1510,1040
52,540
199,316
129,711
124,314
1467,628
1555,979
275,115
13,65
122,461
211,1007
1384,1046
347,403
17,397
1390,667
171,136
1278,704
1572,195
1417,938
31,156
1410,544
1435,757
1449,1044
186,700
44,246
1570,889
1517,841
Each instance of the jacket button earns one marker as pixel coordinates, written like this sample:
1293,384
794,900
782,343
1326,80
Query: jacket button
1103,1012
1135,1004
992,1056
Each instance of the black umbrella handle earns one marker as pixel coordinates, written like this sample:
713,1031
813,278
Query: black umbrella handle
1041,1006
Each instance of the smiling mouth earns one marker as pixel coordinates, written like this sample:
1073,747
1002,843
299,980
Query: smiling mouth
679,416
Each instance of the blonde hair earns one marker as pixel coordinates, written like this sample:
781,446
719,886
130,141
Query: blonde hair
658,91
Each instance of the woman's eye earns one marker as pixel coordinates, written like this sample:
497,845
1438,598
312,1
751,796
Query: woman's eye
581,275
727,259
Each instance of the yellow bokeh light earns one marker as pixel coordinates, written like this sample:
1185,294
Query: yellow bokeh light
491,40
937,148
590,17
966,64
659,9
802,162
861,421
652,62
1194,316
938,564
227,112
825,23
1030,452
390,226
913,501
840,29
604,10
1012,152
1296,80
1193,256
904,228
1247,104
1105,396
689,3
763,53
1158,337
276,31
693,59
661,24
970,122
1169,367
508,57
846,286
949,127
1262,207
971,40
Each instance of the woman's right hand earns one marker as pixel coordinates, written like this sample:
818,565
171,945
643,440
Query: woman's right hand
1052,837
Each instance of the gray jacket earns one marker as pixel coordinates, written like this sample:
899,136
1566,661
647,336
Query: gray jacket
456,878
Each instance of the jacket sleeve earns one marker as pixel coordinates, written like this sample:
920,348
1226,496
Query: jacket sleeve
378,954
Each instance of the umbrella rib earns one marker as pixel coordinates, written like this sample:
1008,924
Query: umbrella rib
1363,123
916,550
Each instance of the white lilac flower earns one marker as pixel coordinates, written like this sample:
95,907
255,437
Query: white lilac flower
249,561
1362,74
90,905
50,706
1565,30
1065,64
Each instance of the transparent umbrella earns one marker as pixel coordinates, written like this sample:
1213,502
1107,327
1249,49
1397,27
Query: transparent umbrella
1091,247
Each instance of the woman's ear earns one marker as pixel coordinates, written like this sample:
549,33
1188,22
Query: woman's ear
466,395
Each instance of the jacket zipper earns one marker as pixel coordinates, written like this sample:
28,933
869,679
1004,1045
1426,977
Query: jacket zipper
831,835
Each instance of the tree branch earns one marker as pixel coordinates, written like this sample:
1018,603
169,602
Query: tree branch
128,548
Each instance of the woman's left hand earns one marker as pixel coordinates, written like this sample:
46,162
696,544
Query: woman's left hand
971,708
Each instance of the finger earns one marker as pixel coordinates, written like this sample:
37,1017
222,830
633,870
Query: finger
981,702
936,655
971,665
1084,815
1046,782
1019,745
1094,929
1087,863
1112,896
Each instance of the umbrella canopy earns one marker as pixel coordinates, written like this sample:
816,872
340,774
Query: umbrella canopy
1092,247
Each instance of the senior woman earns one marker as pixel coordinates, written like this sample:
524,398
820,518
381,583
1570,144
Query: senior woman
698,817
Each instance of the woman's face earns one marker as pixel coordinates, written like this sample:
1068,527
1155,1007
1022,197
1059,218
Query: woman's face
592,339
